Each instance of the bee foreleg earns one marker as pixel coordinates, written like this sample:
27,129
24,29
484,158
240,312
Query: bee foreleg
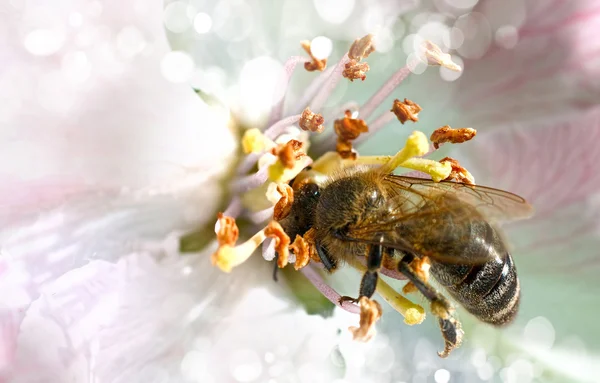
440,306
368,284
329,263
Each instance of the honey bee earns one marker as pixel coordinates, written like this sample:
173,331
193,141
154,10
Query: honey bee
395,222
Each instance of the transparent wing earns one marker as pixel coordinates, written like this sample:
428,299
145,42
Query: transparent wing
434,218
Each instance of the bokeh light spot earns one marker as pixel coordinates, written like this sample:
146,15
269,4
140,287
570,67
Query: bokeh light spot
44,42
442,376
507,36
462,4
321,47
477,34
334,11
177,66
540,332
175,17
76,67
245,366
202,23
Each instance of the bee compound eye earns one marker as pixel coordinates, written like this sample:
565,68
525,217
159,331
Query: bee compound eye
312,189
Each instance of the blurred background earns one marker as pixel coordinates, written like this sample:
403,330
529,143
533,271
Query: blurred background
120,126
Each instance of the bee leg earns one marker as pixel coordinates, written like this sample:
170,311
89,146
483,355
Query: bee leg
368,284
329,263
440,306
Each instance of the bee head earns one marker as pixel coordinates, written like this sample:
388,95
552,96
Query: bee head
301,216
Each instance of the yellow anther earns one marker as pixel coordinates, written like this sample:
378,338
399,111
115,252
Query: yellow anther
227,257
416,145
438,171
254,141
278,173
412,312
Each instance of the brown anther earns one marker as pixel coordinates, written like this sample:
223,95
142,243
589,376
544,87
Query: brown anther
228,232
348,129
406,110
361,48
409,288
288,153
315,64
282,242
311,121
370,312
355,70
284,205
453,136
458,173
309,238
301,250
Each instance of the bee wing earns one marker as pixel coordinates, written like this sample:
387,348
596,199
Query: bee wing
497,206
417,217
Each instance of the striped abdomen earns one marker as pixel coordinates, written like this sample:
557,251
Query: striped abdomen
489,291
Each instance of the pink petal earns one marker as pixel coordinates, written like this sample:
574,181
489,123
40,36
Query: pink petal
554,166
120,124
552,71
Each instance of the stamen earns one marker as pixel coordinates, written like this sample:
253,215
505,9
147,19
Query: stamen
288,153
361,48
348,129
226,230
406,110
288,67
388,87
261,215
329,85
412,312
301,250
280,126
282,242
317,280
458,173
228,256
438,171
453,136
315,64
284,205
280,174
434,56
416,145
254,141
370,312
311,121
354,70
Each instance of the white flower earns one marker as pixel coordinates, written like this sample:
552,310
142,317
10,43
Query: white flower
111,157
